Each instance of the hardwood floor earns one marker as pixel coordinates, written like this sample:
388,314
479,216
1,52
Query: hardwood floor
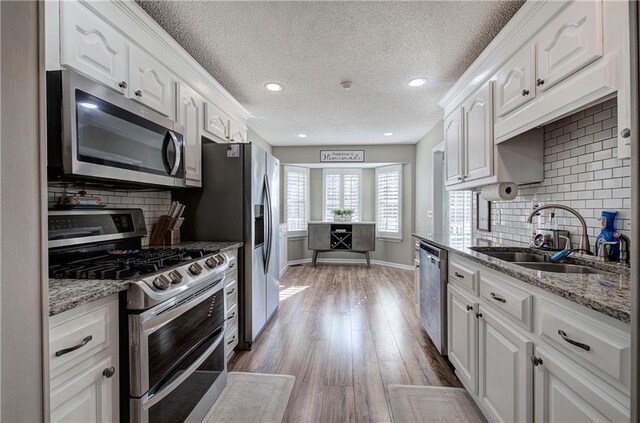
345,332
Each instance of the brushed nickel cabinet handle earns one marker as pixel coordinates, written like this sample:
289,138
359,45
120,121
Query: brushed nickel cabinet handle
625,133
231,292
498,298
123,84
564,336
84,342
458,275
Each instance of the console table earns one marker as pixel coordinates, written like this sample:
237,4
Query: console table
358,237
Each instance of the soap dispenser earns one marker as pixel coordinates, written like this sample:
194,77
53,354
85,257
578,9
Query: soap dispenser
607,222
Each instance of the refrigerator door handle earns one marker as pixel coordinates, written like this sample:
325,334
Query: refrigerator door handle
269,224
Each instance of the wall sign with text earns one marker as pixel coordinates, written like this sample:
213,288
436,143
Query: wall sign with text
342,155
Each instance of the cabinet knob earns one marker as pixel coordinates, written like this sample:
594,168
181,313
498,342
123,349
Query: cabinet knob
138,93
625,133
469,308
525,92
478,315
539,82
123,84
109,372
459,178
536,361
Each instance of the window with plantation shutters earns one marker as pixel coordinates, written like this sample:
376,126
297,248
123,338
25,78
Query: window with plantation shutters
296,188
342,190
389,201
459,217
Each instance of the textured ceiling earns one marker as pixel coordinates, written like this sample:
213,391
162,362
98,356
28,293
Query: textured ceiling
311,46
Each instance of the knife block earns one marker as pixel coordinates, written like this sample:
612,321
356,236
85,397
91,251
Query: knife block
172,237
160,230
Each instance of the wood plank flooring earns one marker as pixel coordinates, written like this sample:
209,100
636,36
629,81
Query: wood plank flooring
345,332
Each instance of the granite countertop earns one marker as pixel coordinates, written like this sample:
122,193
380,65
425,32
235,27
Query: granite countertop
609,294
65,294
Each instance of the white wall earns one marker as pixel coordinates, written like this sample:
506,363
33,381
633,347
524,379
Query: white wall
23,209
389,251
424,175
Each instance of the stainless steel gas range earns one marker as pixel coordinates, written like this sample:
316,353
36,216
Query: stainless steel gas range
172,315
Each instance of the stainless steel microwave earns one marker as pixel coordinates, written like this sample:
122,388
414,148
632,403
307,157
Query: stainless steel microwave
98,135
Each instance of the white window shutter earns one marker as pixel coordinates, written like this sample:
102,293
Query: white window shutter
342,190
389,201
296,199
459,216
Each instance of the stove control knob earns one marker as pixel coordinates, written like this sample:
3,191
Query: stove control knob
211,262
176,276
195,269
161,282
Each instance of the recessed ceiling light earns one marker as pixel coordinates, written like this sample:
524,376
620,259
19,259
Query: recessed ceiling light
301,135
388,134
417,82
274,86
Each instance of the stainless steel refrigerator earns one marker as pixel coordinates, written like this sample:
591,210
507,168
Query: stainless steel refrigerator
239,201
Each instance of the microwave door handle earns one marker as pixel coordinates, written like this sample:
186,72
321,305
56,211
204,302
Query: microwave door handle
178,148
269,224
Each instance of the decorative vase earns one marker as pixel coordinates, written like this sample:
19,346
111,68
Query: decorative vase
347,218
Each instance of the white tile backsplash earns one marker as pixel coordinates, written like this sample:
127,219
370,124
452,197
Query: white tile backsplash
153,203
581,170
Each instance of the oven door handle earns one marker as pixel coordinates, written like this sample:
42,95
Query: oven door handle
167,389
149,323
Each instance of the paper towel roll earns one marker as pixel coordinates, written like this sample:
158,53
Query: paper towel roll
506,191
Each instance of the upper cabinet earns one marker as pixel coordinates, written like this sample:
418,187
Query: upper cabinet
190,114
551,60
478,134
453,148
515,82
237,131
572,40
216,122
92,47
150,82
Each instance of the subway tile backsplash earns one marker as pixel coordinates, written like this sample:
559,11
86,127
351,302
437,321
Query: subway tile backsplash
581,170
153,203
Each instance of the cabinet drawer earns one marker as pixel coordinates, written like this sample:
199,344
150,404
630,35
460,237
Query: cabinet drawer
233,263
594,344
464,276
232,312
515,303
230,277
231,295
231,338
87,329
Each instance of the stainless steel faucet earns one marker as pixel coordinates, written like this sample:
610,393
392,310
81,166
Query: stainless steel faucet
584,237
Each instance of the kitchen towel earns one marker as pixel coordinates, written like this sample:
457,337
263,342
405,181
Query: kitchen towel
505,191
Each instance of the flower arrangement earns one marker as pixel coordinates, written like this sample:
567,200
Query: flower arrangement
342,215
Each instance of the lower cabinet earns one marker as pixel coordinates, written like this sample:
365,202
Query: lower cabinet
462,335
231,304
83,363
564,393
505,371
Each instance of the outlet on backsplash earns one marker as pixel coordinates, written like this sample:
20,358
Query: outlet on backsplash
581,170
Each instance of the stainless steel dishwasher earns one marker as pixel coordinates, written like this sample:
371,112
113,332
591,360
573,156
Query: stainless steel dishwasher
433,294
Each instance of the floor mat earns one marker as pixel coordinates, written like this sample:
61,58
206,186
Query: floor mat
432,404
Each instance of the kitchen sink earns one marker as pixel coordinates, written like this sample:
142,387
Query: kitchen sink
563,268
512,256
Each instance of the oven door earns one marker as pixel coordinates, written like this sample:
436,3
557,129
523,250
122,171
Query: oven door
108,136
163,339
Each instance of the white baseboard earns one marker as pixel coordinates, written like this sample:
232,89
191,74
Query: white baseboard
350,261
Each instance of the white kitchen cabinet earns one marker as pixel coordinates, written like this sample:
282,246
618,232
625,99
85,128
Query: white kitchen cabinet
505,373
92,47
88,397
237,131
478,134
150,82
231,307
515,81
462,332
84,363
216,122
564,393
190,115
569,42
453,153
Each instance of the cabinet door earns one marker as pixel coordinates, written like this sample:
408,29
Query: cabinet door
364,238
515,82
216,122
569,42
453,153
462,328
478,134
86,398
505,370
190,116
92,47
319,236
237,131
150,82
567,394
